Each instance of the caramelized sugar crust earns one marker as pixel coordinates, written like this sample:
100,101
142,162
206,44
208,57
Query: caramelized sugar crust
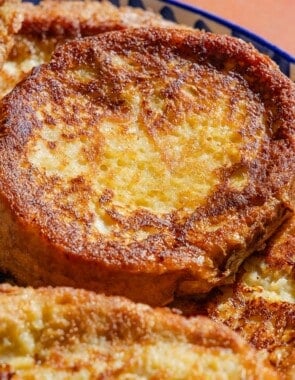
260,305
144,163
31,32
73,334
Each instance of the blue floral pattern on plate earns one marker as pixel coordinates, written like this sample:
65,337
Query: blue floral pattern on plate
197,18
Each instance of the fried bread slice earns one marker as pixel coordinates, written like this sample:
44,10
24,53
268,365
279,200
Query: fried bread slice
261,304
68,333
10,23
41,27
144,162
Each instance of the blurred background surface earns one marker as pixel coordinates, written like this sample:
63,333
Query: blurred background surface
273,20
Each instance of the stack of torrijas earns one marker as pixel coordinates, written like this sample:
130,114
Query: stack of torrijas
148,161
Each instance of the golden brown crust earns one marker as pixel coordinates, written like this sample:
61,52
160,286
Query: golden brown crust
30,33
261,304
59,18
65,331
183,251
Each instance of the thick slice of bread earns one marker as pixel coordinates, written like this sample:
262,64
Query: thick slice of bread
261,303
144,163
31,37
65,333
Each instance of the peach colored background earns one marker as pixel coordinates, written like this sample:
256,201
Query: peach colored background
273,20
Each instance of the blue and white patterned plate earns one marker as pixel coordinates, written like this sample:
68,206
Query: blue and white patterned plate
197,18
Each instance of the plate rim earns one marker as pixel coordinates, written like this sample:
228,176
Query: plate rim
232,25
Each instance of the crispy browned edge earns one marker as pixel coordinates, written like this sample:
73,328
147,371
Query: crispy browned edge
150,270
265,324
67,18
120,320
28,30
